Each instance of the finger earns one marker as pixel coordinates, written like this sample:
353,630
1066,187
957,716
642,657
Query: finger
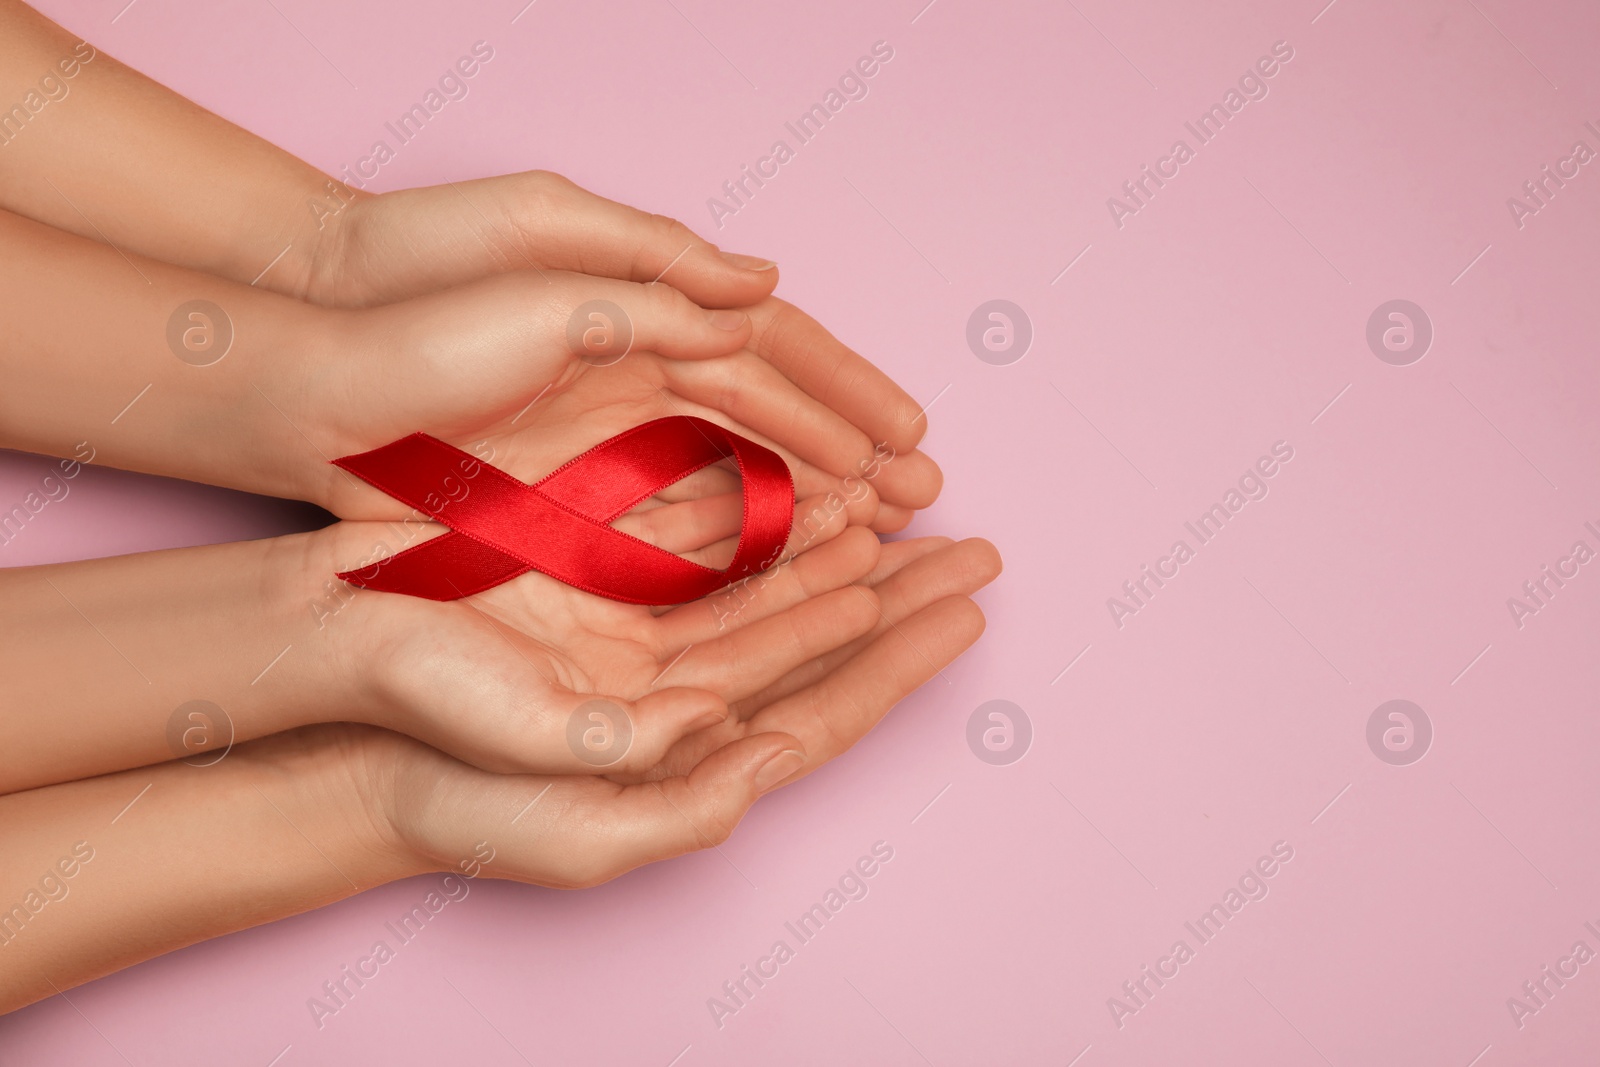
832,715
570,228
587,831
956,571
809,480
832,565
817,362
859,499
504,722
509,330
895,555
750,658
465,358
749,389
708,481
655,318
688,525
892,519
717,479
817,520
723,476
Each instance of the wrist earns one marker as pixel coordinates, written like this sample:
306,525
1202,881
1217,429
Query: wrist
365,640
290,232
327,270
311,657
333,783
399,784
314,400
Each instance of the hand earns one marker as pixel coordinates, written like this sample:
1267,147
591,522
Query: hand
401,245
240,209
388,247
497,679
297,386
263,634
489,368
571,831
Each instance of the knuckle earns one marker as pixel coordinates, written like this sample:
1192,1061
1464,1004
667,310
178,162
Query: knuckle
715,828
541,195
782,329
590,869
730,392
666,302
644,756
671,231
550,181
833,742
661,236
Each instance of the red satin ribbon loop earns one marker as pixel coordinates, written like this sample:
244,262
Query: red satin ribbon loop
561,526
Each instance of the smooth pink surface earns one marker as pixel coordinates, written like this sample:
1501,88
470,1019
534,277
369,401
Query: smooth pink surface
1222,718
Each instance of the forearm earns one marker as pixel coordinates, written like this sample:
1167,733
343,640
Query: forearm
108,354
109,154
100,874
136,660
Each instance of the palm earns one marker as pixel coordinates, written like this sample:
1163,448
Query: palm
592,403
573,640
497,677
591,828
530,429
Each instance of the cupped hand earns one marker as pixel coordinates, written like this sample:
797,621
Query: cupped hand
493,368
534,675
387,247
581,829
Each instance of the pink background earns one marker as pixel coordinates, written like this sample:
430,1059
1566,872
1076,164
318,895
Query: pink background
1222,718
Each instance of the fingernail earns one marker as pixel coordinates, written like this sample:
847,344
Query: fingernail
778,768
709,719
743,262
727,320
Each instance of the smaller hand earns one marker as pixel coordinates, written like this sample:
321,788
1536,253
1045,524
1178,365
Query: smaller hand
389,247
491,368
416,243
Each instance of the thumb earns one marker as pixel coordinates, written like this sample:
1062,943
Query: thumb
579,231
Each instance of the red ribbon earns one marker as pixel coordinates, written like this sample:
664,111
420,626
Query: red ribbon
501,528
